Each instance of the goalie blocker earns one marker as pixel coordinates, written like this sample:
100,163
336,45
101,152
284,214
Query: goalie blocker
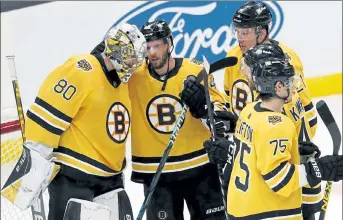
28,176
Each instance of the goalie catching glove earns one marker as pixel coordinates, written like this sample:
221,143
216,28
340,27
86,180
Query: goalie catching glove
30,176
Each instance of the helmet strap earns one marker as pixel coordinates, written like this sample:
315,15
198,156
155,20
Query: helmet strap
167,73
282,98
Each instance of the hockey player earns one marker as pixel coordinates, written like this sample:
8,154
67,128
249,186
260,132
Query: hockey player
187,175
251,26
154,91
267,175
80,119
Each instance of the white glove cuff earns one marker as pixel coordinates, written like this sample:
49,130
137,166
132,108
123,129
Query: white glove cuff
44,150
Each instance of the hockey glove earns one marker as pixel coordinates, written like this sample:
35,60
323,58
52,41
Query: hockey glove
218,150
328,168
99,48
225,123
193,95
308,149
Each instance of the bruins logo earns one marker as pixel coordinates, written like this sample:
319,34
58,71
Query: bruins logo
241,96
118,122
274,119
84,65
162,112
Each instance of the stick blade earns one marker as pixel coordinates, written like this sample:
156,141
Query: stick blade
329,121
223,63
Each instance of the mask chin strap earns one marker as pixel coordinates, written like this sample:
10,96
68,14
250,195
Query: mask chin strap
167,73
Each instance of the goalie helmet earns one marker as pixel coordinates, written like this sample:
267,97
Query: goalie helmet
267,72
125,45
252,14
263,51
157,30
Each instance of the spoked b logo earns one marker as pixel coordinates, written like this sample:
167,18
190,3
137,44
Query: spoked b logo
162,215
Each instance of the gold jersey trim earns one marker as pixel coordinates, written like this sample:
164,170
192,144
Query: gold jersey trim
83,163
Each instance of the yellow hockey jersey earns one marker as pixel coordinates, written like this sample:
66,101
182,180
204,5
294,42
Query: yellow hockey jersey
154,116
239,94
83,117
265,178
300,110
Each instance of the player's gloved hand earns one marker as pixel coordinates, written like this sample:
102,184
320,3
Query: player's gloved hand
308,149
328,168
99,48
218,150
225,123
193,95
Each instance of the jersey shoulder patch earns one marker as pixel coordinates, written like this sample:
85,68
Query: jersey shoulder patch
195,61
84,65
274,119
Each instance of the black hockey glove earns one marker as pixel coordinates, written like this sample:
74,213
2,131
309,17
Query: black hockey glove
225,123
308,149
218,150
328,168
193,95
99,48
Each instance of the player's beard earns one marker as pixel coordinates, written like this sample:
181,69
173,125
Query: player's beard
163,61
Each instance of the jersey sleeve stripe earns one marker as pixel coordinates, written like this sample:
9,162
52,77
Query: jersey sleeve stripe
53,110
313,122
315,190
309,107
51,115
285,180
274,172
44,124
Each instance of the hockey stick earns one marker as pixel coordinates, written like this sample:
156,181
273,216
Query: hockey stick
37,208
213,131
335,134
220,64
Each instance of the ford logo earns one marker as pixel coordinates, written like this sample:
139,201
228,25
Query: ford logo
198,28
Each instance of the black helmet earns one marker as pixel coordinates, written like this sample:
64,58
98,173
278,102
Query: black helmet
252,14
267,72
156,30
263,51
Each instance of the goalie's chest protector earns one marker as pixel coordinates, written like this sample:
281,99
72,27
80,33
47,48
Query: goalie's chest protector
154,116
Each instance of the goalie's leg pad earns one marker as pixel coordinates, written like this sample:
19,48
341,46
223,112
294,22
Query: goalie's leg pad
61,189
78,209
119,203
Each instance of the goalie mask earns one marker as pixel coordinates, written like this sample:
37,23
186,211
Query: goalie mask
125,45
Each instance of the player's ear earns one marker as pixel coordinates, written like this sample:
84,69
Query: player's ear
278,86
262,36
